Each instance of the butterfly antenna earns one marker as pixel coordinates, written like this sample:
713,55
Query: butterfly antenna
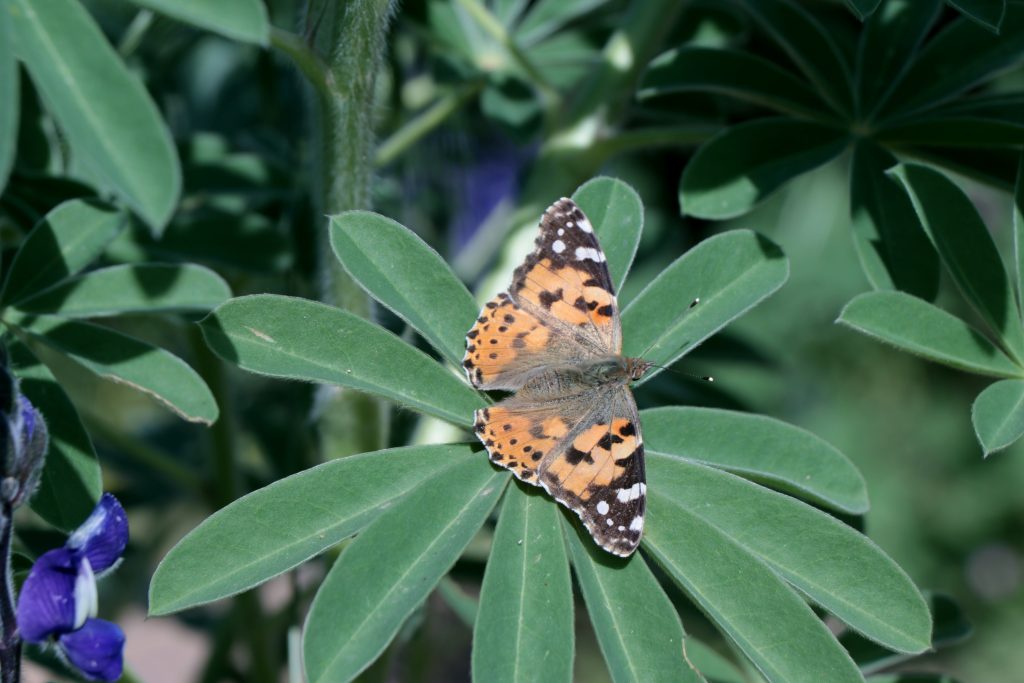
702,378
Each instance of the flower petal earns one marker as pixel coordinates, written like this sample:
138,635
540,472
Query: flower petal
96,649
47,602
28,417
103,536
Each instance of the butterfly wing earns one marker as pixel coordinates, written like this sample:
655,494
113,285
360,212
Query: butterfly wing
586,452
560,309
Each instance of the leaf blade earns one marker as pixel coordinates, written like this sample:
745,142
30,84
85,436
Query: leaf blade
287,523
998,415
743,164
145,288
402,272
67,240
759,448
362,603
925,330
524,627
617,214
730,273
299,339
9,101
108,117
244,20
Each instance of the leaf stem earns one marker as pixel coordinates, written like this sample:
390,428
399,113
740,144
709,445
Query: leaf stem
306,60
10,643
424,122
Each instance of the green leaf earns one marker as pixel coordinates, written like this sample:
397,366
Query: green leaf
712,665
998,415
894,251
886,47
958,131
126,360
111,123
742,75
399,270
524,628
966,247
68,239
925,330
745,163
988,13
300,339
546,17
9,100
636,624
392,566
959,58
71,482
836,567
1018,233
950,627
148,288
244,20
760,448
809,45
617,214
748,602
730,274
863,8
279,527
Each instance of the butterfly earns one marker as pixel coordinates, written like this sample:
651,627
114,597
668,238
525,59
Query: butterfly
555,340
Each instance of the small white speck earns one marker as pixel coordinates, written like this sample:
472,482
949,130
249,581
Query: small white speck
589,253
569,224
622,528
610,522
602,507
558,247
561,232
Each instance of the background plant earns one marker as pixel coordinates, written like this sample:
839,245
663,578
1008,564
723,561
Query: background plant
485,112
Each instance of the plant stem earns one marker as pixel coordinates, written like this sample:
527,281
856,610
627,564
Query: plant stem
410,133
305,59
353,38
10,643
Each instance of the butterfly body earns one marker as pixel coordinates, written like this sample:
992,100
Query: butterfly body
571,425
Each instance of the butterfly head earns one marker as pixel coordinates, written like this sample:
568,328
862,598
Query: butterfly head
636,368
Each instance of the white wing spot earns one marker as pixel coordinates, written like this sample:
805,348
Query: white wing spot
610,522
558,247
585,226
622,528
637,524
569,224
602,507
589,253
632,493
561,232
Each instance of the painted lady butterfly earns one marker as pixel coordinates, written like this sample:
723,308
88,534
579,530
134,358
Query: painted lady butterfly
555,340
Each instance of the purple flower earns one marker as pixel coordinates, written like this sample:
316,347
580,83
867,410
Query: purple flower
58,600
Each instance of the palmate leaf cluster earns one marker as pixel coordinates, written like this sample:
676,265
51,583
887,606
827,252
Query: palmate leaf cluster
745,554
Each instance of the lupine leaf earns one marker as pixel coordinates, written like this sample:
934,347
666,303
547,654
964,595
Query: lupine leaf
926,330
963,55
243,20
111,123
809,45
759,448
863,8
284,524
953,130
399,270
998,415
733,73
71,482
836,567
894,251
636,624
363,601
126,360
146,288
730,273
524,627
9,100
889,40
301,339
748,602
966,248
545,17
68,239
1018,234
745,163
988,13
617,214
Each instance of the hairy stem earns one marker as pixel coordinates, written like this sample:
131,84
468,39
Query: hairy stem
10,643
352,35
